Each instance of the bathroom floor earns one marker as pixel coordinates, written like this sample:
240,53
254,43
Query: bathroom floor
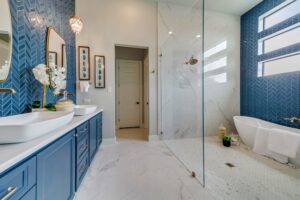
132,134
139,170
251,176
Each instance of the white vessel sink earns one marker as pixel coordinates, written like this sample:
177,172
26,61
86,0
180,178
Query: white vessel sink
84,109
25,127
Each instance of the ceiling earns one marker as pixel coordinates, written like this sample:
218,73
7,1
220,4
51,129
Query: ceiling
235,7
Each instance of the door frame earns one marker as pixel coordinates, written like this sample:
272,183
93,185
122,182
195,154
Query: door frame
141,105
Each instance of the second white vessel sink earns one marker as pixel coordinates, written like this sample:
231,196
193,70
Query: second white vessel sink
25,127
84,109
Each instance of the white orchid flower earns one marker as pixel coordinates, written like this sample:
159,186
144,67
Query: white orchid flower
40,74
58,78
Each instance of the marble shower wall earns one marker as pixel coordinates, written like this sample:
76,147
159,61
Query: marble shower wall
181,83
222,71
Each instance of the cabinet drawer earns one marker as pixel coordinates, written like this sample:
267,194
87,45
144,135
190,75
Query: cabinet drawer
18,182
99,117
82,147
82,130
99,129
31,195
82,168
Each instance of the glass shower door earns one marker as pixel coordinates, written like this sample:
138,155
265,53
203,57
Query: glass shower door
180,82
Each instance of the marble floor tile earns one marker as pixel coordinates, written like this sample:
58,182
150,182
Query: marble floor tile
138,170
253,177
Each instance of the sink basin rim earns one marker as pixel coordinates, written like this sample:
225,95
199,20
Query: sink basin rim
81,110
50,121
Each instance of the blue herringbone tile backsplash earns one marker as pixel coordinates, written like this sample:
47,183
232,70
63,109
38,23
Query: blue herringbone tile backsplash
271,98
30,19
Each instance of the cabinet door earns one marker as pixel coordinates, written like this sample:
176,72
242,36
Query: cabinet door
31,195
99,129
93,138
56,170
17,182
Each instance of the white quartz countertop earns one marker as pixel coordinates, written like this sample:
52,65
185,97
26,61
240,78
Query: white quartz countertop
11,154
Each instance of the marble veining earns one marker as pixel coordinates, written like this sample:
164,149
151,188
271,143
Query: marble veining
253,177
181,84
138,170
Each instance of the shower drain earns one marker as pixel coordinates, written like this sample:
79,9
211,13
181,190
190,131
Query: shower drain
230,164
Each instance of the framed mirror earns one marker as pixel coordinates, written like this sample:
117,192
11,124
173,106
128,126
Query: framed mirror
5,40
56,53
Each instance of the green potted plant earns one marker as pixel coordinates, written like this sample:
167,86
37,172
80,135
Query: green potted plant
227,140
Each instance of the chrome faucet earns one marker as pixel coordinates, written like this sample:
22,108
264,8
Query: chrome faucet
7,90
293,119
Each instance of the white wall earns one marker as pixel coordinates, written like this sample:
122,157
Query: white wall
106,24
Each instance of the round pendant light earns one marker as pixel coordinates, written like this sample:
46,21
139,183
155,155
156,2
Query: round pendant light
76,24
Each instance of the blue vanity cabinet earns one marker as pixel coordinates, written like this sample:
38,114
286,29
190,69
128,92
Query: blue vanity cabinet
82,151
18,181
56,170
31,195
99,129
82,140
93,138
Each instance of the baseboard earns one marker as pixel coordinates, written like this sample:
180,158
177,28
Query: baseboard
109,141
153,138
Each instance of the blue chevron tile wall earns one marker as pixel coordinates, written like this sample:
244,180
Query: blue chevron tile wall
271,98
30,19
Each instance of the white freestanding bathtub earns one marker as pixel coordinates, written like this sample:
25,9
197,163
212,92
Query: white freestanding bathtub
247,127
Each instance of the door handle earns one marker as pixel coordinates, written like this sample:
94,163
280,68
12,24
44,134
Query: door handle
9,193
138,103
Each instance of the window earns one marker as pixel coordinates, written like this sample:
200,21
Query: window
284,38
281,39
289,63
285,10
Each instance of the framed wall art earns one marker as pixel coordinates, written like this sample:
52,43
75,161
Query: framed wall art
84,62
99,71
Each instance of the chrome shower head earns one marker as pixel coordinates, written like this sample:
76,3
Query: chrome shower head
192,61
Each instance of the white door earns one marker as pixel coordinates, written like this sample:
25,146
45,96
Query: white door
129,100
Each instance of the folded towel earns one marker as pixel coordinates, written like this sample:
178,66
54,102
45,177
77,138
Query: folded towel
84,86
261,145
284,142
260,141
280,158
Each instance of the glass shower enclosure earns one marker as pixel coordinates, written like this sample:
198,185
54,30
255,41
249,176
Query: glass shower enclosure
180,46
200,76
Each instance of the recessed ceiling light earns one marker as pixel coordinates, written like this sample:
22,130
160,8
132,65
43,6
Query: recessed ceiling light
198,36
170,33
